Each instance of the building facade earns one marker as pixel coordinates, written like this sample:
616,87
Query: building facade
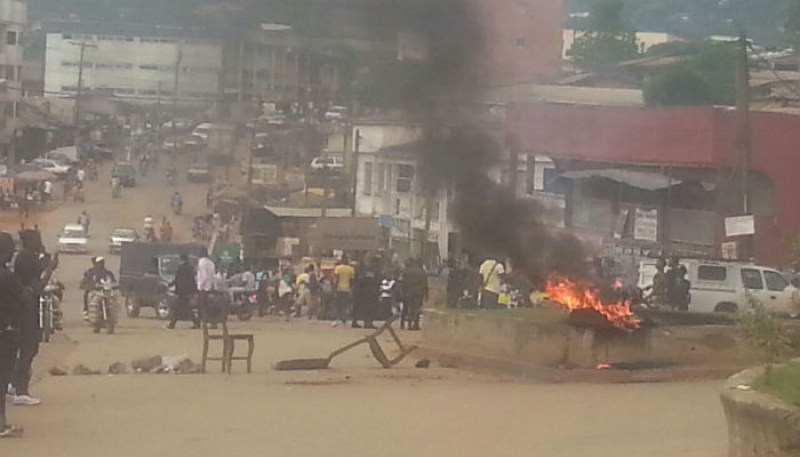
522,40
132,62
13,23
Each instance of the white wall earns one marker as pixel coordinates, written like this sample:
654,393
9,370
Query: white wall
13,18
133,67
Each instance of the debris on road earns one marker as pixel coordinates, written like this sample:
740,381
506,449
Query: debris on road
58,371
83,370
424,363
117,368
147,364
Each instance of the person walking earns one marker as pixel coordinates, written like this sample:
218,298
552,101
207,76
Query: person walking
185,288
12,297
206,271
415,292
84,221
366,294
343,275
492,274
47,191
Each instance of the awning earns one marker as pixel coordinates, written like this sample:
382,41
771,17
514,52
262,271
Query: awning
639,179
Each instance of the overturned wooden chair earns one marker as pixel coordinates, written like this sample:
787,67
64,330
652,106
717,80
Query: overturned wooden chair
374,347
228,355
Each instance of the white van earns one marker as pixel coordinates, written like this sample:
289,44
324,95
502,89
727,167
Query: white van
720,286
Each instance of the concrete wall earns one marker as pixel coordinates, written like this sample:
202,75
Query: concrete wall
759,425
518,341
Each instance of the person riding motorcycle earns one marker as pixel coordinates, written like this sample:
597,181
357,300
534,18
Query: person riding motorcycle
97,275
177,203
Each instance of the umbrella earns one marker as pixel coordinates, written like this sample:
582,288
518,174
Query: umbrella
35,175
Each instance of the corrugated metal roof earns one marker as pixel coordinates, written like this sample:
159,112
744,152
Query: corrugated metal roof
286,211
638,179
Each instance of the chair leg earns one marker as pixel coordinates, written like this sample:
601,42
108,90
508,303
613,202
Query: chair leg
251,347
205,356
230,346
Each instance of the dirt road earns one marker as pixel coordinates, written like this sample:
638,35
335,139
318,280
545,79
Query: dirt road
354,409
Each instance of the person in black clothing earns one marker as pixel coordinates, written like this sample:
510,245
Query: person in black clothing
28,269
185,288
415,292
12,297
87,288
366,294
678,294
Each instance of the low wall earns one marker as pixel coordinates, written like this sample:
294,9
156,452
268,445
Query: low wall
518,341
759,425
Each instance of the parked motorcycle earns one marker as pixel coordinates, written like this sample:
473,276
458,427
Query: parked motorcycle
244,305
49,317
103,312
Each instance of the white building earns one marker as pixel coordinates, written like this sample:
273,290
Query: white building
13,22
132,61
388,187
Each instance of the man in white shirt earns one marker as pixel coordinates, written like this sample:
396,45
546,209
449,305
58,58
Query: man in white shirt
47,190
81,175
206,271
492,274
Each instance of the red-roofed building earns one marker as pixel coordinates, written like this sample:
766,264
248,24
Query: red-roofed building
692,144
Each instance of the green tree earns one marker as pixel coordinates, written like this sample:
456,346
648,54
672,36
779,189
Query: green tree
608,40
706,76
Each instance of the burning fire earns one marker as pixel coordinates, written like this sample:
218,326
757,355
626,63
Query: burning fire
575,296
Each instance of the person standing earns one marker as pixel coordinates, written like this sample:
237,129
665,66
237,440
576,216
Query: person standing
28,269
367,294
415,293
81,176
12,297
206,271
343,275
185,288
47,191
492,274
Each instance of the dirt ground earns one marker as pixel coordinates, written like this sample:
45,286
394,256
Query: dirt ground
353,409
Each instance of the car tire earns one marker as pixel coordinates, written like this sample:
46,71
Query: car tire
726,308
132,308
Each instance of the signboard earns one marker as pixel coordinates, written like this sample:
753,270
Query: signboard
740,226
345,234
729,250
645,226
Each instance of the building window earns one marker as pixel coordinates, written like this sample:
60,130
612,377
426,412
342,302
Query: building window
521,43
367,178
381,186
66,36
149,92
397,207
405,178
11,38
148,67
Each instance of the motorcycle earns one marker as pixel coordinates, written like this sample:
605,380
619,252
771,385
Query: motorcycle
49,317
103,307
177,208
244,304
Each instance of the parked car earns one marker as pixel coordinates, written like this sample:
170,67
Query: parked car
126,173
198,172
202,131
331,163
73,240
120,236
336,113
172,143
720,286
51,165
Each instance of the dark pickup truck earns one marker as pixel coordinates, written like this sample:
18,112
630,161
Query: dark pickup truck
145,271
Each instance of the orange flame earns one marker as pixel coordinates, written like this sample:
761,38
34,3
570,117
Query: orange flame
574,296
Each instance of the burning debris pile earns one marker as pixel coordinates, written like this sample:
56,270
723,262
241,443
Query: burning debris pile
576,296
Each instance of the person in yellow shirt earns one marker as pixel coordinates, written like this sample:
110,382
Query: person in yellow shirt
343,276
493,274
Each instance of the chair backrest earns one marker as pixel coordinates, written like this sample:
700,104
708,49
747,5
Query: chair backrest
222,325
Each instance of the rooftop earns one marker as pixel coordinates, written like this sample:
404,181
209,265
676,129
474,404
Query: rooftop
128,29
528,92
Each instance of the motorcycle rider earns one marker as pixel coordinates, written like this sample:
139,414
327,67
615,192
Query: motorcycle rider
177,202
12,297
97,275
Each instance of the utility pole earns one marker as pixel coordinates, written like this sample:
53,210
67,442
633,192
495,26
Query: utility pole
158,110
178,59
743,138
356,148
79,92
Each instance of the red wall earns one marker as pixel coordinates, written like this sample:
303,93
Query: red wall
538,22
690,136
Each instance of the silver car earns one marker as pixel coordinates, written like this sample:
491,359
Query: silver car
119,236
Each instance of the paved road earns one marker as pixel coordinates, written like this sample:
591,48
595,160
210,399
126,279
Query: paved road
354,409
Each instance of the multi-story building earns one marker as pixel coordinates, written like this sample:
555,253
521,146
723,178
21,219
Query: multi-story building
13,22
132,61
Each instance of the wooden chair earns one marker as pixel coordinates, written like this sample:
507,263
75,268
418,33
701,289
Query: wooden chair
228,344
